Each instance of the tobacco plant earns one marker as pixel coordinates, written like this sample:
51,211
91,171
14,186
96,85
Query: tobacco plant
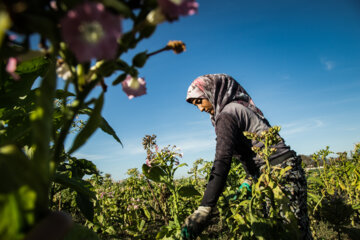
334,189
265,213
160,167
83,43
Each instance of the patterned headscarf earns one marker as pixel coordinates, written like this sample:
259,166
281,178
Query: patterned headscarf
220,89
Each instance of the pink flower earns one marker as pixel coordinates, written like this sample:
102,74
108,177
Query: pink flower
53,5
136,207
63,70
91,31
147,162
11,67
102,194
172,9
134,87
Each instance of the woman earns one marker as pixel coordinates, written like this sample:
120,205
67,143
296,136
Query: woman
232,112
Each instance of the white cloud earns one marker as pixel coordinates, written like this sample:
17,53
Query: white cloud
197,145
329,65
300,126
93,157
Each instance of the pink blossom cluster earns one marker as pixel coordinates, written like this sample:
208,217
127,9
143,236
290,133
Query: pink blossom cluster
106,194
148,162
134,205
173,9
92,32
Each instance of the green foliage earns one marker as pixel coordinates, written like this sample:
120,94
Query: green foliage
246,218
334,189
142,207
37,114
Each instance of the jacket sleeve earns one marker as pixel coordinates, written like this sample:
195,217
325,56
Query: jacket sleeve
227,131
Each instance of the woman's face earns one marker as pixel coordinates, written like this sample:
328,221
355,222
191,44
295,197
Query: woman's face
204,105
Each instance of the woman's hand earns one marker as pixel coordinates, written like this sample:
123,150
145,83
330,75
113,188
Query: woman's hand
196,223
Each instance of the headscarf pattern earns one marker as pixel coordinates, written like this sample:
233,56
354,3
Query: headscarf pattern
220,89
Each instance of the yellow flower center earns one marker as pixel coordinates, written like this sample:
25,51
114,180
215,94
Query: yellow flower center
91,31
134,83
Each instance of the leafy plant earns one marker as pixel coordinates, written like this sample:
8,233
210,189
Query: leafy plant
83,43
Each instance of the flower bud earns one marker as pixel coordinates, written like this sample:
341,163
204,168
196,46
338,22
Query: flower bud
155,17
176,46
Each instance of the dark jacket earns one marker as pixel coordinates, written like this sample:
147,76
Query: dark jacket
230,124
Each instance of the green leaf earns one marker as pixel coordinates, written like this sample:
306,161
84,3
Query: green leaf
118,6
15,169
110,230
42,128
140,59
147,213
105,126
107,68
86,206
5,24
10,221
36,66
16,211
61,94
162,233
181,165
29,71
100,218
82,167
80,232
119,79
91,125
141,226
311,196
80,186
188,191
154,173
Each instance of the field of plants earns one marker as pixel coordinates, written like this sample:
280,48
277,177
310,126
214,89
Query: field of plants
151,204
47,193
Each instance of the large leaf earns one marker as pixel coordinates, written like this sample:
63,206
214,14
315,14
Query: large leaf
42,130
61,94
86,206
16,211
80,167
28,71
15,169
37,66
10,221
120,7
5,24
91,125
154,173
188,191
80,186
105,126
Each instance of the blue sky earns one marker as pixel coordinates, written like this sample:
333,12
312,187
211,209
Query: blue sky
298,59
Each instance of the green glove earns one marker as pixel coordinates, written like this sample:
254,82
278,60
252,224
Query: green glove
247,184
196,223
